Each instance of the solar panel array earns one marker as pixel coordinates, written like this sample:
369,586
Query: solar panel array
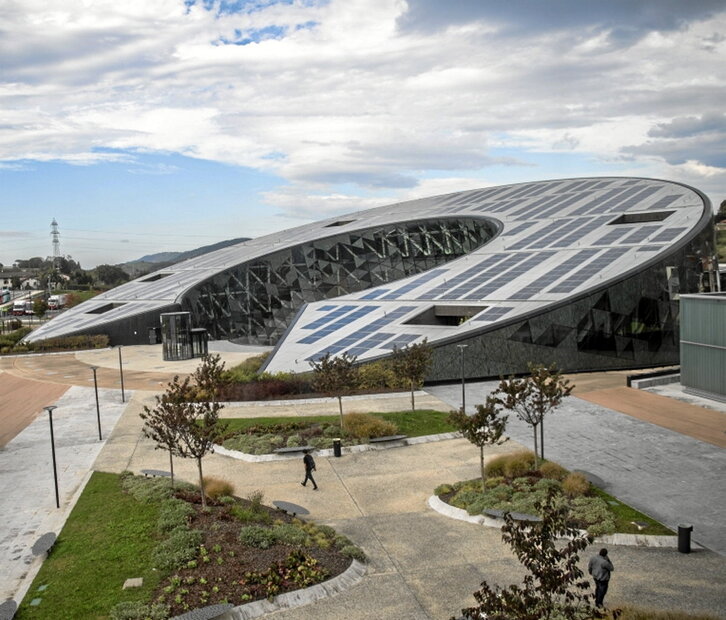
336,325
351,339
517,270
591,269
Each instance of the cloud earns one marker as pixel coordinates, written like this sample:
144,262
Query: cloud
372,96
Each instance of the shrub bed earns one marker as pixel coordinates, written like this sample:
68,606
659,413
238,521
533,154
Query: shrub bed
512,484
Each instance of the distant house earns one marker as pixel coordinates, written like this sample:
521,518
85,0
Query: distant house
28,278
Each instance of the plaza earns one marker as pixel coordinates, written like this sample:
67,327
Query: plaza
422,564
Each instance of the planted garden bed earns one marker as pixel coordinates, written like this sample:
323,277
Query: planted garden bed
234,551
513,484
265,435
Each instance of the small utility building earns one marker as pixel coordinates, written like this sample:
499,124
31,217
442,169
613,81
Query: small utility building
703,344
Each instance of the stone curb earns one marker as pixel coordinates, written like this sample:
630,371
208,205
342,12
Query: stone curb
347,579
322,399
627,540
328,452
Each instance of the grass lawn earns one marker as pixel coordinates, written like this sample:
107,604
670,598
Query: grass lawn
423,422
107,539
625,516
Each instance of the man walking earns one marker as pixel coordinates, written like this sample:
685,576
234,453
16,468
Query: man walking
600,568
309,463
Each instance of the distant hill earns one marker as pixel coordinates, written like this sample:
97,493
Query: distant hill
154,262
176,257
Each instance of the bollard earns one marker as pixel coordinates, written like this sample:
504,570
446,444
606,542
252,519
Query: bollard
336,447
684,537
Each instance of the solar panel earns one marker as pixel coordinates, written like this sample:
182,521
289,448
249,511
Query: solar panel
370,343
493,313
352,338
576,235
595,203
650,248
517,230
667,235
552,275
640,234
635,199
507,277
400,341
589,270
337,311
329,329
562,205
426,277
611,236
487,263
545,230
664,202
546,201
375,294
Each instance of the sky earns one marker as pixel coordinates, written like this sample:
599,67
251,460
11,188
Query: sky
144,127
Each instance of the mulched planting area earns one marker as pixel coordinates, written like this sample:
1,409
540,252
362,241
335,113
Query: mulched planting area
228,571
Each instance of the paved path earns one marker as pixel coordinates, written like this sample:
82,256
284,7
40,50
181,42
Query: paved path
26,477
667,475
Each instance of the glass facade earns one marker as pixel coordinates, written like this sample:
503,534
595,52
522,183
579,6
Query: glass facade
631,323
254,302
176,341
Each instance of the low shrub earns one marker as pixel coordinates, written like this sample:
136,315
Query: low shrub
245,371
366,426
552,470
249,515
216,487
135,610
443,489
181,546
592,513
354,553
632,612
257,536
492,482
376,375
174,513
293,441
290,534
575,485
495,467
518,464
147,490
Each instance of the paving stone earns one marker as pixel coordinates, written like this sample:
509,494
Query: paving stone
134,582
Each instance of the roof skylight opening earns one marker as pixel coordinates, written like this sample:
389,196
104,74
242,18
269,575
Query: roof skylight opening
639,218
155,277
104,308
339,223
447,316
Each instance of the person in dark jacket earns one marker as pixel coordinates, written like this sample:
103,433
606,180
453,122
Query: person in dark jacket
309,463
600,568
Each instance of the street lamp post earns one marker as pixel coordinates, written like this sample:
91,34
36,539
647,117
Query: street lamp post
463,384
49,409
98,411
121,371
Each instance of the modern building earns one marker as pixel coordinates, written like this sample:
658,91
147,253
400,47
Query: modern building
585,273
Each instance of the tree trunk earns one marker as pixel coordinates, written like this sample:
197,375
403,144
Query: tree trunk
413,406
536,458
201,483
340,406
171,468
541,438
481,465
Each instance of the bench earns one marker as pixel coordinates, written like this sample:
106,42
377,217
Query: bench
205,613
8,609
293,449
156,473
290,508
44,544
516,516
387,438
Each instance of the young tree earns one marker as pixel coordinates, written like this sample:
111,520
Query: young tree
555,587
208,377
40,307
483,428
162,423
335,376
186,428
532,397
412,362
